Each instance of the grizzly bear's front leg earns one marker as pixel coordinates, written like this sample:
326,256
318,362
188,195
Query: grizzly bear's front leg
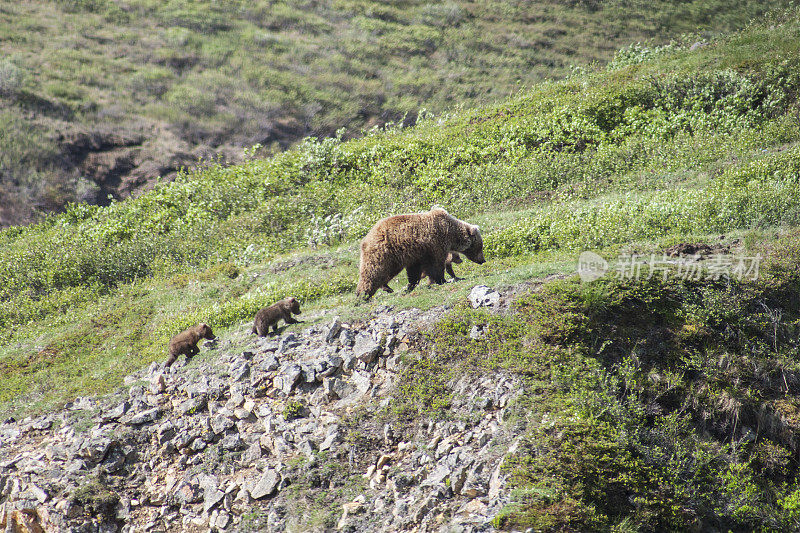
193,350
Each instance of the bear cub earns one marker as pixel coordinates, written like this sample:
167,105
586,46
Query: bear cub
452,257
186,341
269,316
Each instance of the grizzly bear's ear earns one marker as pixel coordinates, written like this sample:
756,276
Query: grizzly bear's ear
473,230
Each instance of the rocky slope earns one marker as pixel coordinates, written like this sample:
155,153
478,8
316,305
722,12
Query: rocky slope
266,434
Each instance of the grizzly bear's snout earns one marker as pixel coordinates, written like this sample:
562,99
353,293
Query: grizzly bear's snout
206,332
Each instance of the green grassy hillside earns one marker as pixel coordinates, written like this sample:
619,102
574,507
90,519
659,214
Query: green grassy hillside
100,97
650,404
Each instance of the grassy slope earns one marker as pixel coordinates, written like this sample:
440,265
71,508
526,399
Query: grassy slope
678,385
232,73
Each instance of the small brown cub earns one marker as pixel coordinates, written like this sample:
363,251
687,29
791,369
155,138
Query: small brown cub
269,316
452,257
185,342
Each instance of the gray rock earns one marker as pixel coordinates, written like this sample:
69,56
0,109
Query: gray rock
269,364
349,361
265,485
95,450
286,381
307,448
347,337
362,381
393,363
211,498
309,374
336,388
222,520
235,401
232,442
221,423
333,438
334,328
475,485
457,479
136,391
42,423
187,493
428,504
145,417
198,445
476,332
438,475
192,406
252,454
199,388
365,349
240,373
158,384
38,493
289,340
483,296
116,413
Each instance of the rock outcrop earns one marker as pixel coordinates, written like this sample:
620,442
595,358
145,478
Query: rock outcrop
264,438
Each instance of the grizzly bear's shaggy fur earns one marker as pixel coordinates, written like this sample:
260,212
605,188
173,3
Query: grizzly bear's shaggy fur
269,316
185,342
452,257
418,242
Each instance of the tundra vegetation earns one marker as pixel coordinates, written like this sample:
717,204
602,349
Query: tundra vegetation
650,404
101,97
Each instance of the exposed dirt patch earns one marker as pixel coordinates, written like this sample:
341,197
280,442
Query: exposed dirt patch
700,249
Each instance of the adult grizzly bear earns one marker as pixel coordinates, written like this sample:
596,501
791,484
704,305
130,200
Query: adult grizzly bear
269,316
186,341
417,242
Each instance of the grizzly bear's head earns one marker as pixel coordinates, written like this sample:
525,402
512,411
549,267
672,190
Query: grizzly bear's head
204,330
294,305
475,250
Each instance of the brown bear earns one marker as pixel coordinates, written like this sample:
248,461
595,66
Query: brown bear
452,257
185,342
269,316
418,242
